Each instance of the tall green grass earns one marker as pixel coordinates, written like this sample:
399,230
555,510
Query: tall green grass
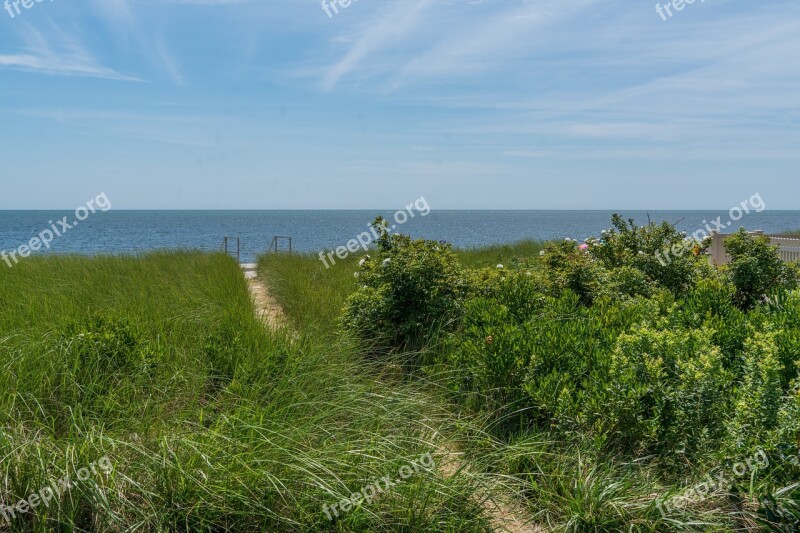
211,422
311,295
486,256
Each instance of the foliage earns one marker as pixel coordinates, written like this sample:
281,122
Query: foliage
659,251
632,341
568,266
408,289
756,269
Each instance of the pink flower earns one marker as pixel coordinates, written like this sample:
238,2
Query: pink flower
583,247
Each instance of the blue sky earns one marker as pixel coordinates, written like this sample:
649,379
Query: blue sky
480,104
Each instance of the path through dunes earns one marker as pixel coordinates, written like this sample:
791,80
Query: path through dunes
267,309
504,513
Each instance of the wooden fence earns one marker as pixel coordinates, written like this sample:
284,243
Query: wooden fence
788,247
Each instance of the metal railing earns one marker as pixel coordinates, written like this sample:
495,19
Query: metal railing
228,250
276,242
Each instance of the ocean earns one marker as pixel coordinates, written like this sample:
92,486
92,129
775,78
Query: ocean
126,232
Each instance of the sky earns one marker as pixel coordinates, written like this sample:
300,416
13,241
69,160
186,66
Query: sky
478,104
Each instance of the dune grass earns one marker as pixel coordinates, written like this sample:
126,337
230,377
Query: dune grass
210,421
311,295
499,254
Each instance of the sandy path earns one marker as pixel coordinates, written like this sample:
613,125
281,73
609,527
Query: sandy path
506,515
267,309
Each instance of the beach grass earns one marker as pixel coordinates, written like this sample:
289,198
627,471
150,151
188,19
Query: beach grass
209,421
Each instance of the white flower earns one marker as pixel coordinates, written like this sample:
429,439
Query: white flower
361,263
641,252
500,267
541,253
528,273
355,274
387,261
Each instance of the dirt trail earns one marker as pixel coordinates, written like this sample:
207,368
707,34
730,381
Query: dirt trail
506,515
267,309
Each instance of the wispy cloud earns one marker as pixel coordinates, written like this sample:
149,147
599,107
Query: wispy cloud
392,27
65,57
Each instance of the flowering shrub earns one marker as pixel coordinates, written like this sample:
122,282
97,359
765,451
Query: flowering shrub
600,337
407,290
659,251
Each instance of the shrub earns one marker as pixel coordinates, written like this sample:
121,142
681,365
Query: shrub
547,366
784,313
759,397
411,288
490,355
568,266
756,268
659,251
709,306
667,390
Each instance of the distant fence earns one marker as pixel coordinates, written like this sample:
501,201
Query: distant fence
227,243
275,246
233,246
788,247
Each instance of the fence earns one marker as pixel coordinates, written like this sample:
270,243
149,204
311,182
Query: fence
229,251
788,247
233,246
276,242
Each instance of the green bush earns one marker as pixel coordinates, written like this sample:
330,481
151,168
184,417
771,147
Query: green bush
709,306
667,390
412,287
631,346
659,251
759,396
569,266
756,268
